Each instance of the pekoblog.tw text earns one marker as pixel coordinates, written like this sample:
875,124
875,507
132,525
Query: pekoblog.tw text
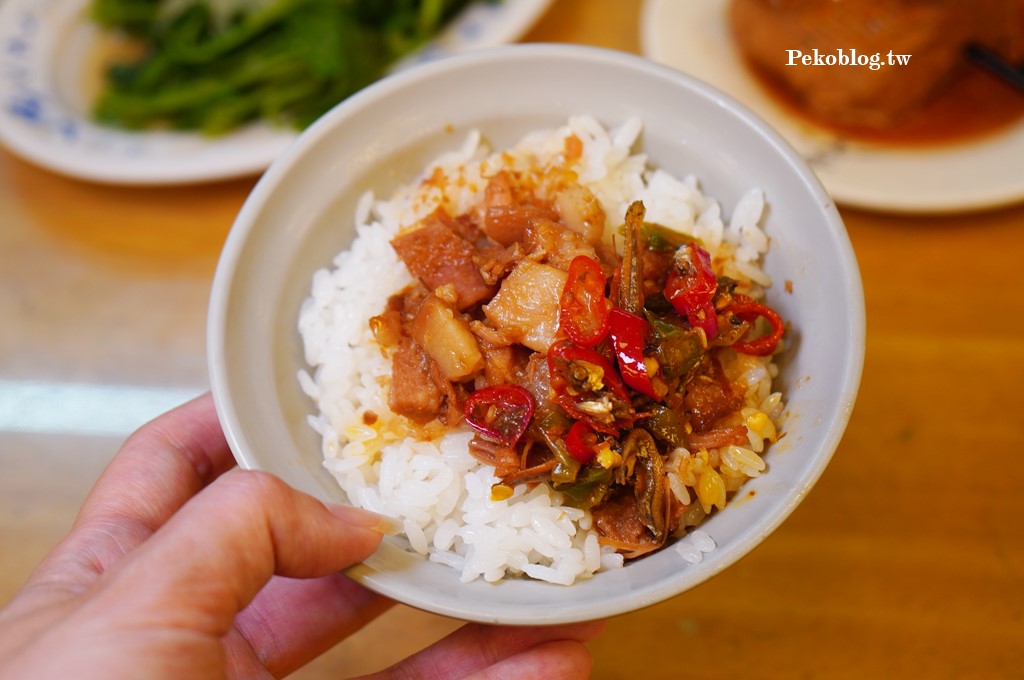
843,57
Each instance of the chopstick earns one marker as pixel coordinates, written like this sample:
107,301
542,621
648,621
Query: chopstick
995,63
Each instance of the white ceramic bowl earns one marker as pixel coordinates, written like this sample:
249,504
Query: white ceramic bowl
299,216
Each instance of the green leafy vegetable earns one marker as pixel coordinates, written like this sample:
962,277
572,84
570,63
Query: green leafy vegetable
212,65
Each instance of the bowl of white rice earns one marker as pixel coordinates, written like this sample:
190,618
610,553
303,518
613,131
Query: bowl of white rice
301,385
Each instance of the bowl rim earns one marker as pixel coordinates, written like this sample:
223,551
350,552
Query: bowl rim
854,332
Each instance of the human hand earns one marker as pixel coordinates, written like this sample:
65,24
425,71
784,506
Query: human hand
180,566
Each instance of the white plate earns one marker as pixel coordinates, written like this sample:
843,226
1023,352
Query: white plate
47,45
694,37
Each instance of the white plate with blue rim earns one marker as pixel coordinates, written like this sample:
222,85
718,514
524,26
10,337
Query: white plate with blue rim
50,70
987,172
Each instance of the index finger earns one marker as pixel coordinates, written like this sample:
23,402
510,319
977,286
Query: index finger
213,557
157,470
161,466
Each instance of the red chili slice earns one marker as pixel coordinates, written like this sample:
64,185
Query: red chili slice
582,377
581,442
690,288
500,412
565,352
629,336
748,310
583,309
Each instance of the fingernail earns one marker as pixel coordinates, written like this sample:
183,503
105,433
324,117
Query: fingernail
350,514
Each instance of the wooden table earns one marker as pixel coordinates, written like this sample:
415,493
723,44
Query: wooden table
905,561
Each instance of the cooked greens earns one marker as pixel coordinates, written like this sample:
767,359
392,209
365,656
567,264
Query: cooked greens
212,65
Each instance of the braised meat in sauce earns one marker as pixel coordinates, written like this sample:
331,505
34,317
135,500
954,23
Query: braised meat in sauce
574,366
932,34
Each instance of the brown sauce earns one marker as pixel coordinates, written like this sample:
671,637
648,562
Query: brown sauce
974,104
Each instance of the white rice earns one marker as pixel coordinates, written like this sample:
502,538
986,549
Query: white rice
436,491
